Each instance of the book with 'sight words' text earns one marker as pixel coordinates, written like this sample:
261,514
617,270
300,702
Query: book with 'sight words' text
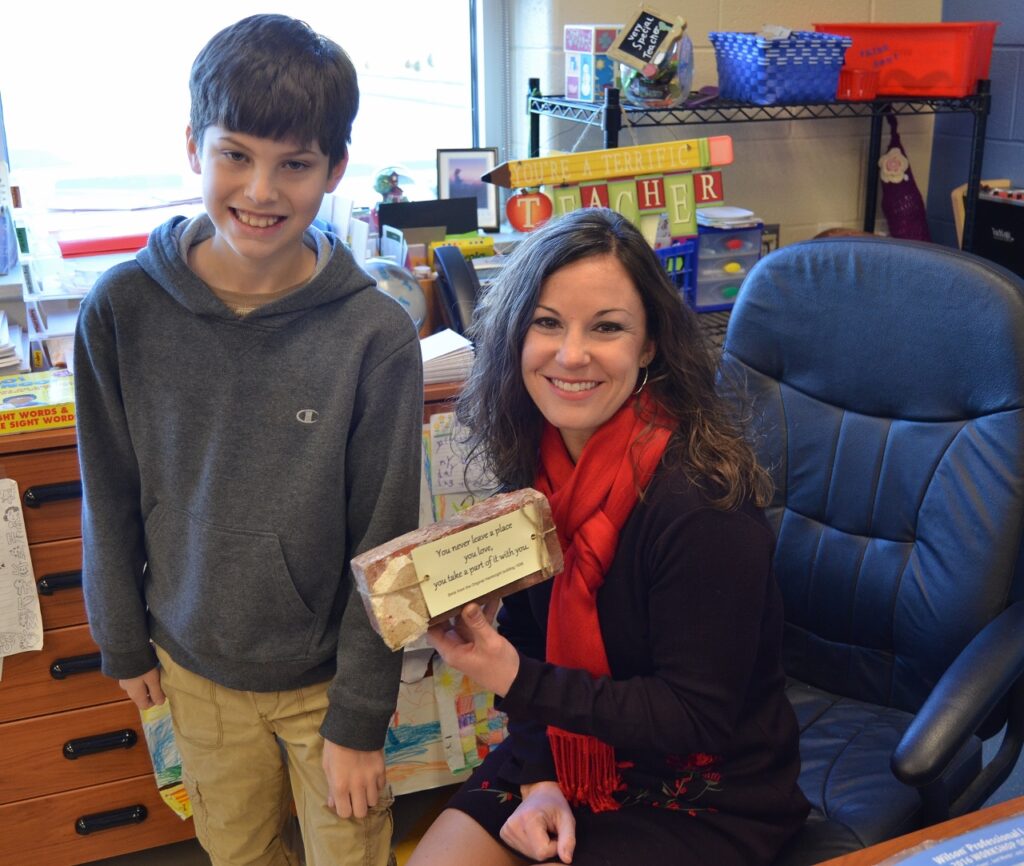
37,401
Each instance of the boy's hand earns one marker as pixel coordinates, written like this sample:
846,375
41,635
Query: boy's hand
354,779
472,645
543,825
144,691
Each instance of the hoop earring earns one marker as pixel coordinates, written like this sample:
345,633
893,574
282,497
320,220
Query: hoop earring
643,383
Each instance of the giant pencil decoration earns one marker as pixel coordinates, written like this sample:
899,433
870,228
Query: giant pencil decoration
643,180
590,165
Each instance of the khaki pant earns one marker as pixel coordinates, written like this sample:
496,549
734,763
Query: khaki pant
241,786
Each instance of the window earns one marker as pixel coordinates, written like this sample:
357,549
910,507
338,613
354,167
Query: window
96,95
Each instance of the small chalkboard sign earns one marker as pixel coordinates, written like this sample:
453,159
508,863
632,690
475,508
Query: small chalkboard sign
644,41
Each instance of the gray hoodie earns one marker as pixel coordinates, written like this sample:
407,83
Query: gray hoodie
233,466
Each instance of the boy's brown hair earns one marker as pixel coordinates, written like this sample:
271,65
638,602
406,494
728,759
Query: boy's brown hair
274,77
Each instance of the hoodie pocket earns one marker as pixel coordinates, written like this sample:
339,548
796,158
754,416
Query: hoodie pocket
224,592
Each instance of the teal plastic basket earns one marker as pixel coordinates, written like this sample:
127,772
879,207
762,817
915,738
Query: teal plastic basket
801,68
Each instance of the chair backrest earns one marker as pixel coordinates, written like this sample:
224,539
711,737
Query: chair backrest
887,388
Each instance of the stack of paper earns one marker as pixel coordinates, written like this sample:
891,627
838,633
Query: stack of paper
487,268
12,347
447,357
726,217
75,276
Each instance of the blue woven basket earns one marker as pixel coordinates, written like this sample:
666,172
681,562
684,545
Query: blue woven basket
802,68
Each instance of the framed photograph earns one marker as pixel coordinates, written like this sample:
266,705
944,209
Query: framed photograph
459,174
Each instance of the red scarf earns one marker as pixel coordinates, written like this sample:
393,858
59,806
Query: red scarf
590,502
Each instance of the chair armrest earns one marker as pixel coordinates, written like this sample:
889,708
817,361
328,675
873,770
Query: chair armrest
962,699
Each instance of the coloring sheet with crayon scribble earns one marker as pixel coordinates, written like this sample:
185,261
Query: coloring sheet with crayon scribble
456,481
163,751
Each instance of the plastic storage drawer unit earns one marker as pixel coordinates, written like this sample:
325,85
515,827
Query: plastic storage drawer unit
724,256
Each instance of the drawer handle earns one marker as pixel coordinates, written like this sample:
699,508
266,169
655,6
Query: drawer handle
75,665
48,584
115,818
83,746
41,494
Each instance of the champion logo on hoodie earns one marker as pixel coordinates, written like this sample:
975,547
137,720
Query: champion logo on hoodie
307,416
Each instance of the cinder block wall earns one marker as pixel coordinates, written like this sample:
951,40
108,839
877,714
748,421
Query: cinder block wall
1004,141
804,175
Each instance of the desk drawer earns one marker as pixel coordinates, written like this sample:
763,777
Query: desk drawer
42,830
51,480
106,741
29,689
57,566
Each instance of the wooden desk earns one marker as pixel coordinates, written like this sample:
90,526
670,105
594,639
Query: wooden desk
441,392
971,821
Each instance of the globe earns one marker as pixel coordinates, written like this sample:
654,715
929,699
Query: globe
400,284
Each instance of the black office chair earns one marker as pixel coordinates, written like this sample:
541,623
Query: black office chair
887,386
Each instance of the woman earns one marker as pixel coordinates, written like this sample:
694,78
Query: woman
643,685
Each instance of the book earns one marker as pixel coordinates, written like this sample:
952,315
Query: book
999,842
36,401
482,245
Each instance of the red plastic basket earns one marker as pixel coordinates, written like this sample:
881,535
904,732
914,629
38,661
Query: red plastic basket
936,59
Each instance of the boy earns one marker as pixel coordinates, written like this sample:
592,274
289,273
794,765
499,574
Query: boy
249,410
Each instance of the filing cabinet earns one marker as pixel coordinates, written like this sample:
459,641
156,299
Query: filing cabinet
76,782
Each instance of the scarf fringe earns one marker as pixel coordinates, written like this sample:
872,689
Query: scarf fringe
586,769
